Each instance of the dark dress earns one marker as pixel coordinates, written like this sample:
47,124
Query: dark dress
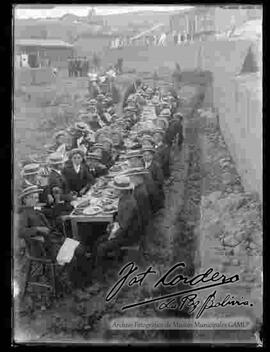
76,181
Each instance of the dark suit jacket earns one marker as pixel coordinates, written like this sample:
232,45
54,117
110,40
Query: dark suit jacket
128,219
107,159
162,156
29,220
156,173
130,90
157,196
59,180
75,182
143,201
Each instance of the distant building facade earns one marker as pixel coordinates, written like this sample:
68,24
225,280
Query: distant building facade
204,21
44,52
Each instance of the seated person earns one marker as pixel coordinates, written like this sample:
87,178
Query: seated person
76,173
162,155
95,166
57,209
117,145
57,179
42,183
147,141
79,131
104,150
29,174
35,228
156,174
134,159
33,223
128,219
60,143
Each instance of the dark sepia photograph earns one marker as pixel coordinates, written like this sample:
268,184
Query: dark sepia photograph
137,174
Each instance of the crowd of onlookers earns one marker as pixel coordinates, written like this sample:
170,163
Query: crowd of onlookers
162,39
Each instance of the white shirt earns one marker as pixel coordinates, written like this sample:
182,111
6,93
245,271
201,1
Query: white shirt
77,168
148,164
61,149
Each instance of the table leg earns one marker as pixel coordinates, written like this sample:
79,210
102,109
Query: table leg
74,227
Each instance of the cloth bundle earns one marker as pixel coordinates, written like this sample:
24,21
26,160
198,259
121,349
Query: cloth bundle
66,252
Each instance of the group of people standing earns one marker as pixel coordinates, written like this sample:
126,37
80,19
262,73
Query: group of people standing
78,66
86,152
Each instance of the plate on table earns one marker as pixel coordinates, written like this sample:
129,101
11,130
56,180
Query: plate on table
105,201
97,193
92,210
115,168
109,209
110,193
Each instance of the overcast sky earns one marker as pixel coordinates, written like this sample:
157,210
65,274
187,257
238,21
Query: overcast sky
58,11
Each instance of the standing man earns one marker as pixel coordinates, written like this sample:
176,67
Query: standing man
177,76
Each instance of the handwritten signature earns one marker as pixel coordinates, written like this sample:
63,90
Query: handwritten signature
129,276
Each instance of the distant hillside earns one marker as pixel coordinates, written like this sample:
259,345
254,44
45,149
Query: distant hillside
123,20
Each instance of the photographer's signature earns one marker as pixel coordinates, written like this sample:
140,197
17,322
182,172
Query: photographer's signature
189,299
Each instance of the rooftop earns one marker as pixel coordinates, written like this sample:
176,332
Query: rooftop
43,42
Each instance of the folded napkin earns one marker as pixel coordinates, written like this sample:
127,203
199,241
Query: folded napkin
66,251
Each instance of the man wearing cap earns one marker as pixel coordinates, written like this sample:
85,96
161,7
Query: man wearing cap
128,219
95,167
56,179
60,145
132,89
81,129
134,158
33,224
106,152
30,174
